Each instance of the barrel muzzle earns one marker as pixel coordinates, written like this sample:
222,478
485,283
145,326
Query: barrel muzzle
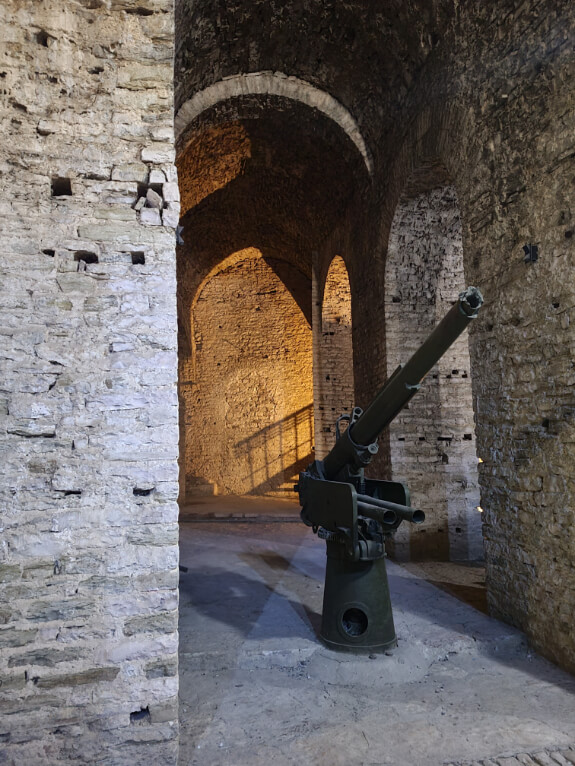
413,515
470,301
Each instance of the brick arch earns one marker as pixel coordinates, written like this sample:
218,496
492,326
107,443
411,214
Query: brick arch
246,389
334,381
272,84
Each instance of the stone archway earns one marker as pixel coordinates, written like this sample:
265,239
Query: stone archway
247,385
334,384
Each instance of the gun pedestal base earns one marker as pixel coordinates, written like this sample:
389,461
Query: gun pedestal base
357,614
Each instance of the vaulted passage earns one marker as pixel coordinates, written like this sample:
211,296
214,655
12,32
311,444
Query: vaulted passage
259,197
246,389
344,170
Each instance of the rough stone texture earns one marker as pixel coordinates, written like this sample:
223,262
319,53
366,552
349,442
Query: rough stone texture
87,302
433,440
88,438
334,389
487,91
563,757
246,390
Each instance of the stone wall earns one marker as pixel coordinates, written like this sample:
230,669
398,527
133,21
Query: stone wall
432,441
247,387
497,106
518,183
88,557
89,428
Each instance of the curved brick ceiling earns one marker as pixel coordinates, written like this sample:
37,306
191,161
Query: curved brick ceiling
266,169
365,54
279,182
272,84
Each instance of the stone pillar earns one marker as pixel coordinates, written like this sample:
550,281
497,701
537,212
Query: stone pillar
88,557
335,393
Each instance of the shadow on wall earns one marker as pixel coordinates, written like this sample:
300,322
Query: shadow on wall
277,453
246,388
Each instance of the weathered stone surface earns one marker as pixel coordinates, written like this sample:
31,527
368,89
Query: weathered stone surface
486,89
156,623
171,192
74,127
45,657
432,442
162,669
151,216
159,153
153,199
14,637
136,171
91,676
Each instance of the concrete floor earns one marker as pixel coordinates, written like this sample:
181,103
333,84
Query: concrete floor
258,688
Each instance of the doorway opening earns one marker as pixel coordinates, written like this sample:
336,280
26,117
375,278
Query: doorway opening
246,387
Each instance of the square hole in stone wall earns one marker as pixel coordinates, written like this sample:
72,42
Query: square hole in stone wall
86,256
61,187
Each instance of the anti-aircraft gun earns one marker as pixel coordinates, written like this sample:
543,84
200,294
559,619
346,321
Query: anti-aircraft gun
354,514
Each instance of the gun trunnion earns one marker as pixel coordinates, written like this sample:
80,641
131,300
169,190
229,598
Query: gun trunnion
354,514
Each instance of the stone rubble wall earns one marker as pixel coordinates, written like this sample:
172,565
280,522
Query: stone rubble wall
433,439
517,168
88,438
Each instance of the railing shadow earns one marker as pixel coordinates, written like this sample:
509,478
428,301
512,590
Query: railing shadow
277,453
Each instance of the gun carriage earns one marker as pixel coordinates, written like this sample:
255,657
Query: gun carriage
354,514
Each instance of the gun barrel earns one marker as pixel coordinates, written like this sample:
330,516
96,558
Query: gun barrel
404,383
383,515
404,512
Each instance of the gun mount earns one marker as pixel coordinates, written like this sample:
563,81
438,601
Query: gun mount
354,514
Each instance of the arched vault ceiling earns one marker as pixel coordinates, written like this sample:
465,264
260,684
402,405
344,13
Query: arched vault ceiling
280,183
364,53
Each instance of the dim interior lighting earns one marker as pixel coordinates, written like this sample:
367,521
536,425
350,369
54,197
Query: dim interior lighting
480,509
480,460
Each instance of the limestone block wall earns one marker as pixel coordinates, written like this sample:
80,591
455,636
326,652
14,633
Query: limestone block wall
432,441
334,392
247,388
88,433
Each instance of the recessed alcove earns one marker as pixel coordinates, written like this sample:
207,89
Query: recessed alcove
247,389
259,197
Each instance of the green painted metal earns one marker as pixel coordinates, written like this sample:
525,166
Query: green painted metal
356,515
356,613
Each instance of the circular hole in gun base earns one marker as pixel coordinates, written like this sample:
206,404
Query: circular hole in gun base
354,622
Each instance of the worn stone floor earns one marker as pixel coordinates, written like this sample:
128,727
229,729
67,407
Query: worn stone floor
257,687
